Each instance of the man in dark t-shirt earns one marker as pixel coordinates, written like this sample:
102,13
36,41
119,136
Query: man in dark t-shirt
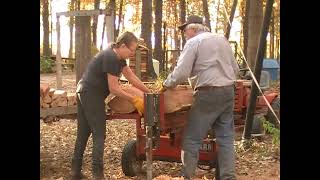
95,75
101,78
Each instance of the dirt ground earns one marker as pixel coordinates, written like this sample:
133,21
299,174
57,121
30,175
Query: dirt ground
57,138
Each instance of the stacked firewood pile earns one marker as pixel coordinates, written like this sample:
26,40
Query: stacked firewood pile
51,98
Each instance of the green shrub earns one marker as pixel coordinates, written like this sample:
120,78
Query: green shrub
46,64
272,130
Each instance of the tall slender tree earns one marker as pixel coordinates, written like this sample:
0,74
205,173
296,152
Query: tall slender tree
45,21
206,13
255,24
95,23
71,27
183,17
233,10
246,28
158,32
271,48
146,25
119,18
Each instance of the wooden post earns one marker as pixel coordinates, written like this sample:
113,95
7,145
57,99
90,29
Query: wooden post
58,57
257,71
83,45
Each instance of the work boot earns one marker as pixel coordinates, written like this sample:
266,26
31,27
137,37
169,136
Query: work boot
77,176
76,170
97,172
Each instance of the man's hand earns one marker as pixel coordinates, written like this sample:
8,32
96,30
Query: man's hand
138,103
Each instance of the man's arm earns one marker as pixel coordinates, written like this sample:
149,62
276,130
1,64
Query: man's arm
115,88
134,80
184,66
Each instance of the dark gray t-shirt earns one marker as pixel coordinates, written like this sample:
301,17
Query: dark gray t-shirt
94,78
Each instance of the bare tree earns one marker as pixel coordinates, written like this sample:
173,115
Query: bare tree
119,19
206,13
246,28
45,20
158,32
112,5
176,20
233,10
95,23
71,25
255,22
183,17
146,25
271,48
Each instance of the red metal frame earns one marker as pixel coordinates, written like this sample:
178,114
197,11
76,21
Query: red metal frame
171,131
172,128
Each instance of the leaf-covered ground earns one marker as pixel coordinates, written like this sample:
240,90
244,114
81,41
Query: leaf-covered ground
57,140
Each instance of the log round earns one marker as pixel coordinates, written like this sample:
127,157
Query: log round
123,106
175,99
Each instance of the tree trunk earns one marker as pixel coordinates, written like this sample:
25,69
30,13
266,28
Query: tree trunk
112,5
272,36
233,10
71,25
176,20
83,45
95,23
45,20
246,28
183,18
119,19
146,23
78,3
218,12
206,13
51,26
158,55
278,48
255,21
110,22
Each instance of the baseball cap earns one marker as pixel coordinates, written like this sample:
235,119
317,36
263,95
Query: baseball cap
191,19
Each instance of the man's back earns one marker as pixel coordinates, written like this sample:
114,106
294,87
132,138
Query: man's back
214,64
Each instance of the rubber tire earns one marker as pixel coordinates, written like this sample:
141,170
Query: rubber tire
131,166
276,107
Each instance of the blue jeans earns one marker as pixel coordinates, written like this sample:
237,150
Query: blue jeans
211,109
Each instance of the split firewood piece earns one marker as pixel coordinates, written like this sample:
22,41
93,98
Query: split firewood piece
121,105
47,99
59,94
71,99
44,89
178,98
45,105
51,91
41,102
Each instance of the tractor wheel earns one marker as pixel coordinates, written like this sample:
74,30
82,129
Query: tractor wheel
131,166
276,108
